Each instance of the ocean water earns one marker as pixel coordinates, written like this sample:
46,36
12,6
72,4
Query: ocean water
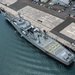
19,57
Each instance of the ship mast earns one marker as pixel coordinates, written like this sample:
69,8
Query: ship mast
19,14
45,34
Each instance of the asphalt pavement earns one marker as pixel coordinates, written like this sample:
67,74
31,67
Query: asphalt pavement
22,3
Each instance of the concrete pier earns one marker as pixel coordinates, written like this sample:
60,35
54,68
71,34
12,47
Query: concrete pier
8,9
44,21
8,2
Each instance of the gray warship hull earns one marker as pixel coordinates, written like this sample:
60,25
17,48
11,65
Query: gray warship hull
49,46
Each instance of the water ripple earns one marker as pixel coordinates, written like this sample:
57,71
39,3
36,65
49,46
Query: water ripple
18,57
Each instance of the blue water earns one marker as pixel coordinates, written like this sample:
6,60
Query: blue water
18,57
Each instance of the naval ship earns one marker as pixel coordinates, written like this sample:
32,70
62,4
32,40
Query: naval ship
39,38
